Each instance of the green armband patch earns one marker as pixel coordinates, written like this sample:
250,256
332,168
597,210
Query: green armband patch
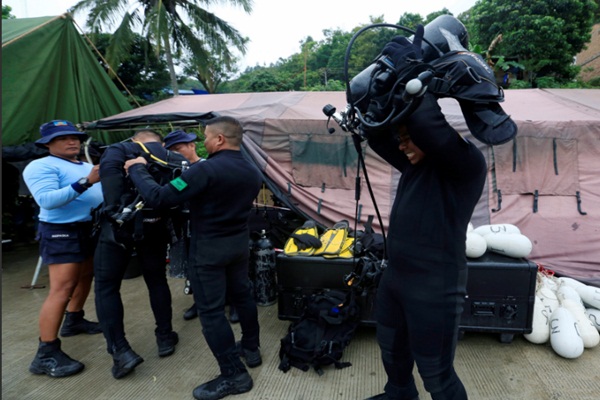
179,184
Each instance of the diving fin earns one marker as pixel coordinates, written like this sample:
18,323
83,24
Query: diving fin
333,240
303,240
347,250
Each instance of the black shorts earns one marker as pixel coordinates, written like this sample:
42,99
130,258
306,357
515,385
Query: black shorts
65,243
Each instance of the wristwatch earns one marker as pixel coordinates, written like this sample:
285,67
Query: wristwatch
85,182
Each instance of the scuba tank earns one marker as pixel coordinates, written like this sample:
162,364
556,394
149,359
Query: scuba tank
263,257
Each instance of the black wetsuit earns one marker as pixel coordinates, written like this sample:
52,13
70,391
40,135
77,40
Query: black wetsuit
421,293
146,232
220,191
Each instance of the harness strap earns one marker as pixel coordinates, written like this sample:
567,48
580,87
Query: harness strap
152,156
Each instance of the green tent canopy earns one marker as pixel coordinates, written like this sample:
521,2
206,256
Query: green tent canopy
49,72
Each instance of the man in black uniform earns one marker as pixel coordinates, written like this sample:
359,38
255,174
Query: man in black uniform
124,228
185,144
421,292
220,191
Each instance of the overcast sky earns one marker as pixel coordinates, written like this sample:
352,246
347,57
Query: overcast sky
276,27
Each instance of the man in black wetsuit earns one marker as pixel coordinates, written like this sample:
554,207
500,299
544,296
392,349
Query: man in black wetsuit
421,292
220,191
121,230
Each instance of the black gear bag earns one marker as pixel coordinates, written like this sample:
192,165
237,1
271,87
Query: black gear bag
323,331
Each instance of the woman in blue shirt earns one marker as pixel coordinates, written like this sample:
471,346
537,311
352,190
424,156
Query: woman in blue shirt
65,190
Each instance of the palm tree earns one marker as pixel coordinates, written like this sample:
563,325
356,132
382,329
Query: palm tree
163,23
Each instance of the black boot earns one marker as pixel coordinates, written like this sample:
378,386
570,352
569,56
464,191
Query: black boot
166,343
240,382
233,315
125,361
74,324
190,313
234,379
52,361
252,357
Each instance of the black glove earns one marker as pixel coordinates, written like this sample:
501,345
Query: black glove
402,52
304,241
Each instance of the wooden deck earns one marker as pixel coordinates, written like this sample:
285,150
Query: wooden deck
490,370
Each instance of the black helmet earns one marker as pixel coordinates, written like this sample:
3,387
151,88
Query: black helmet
447,33
466,77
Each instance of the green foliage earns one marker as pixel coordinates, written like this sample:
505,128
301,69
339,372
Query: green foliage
6,12
542,35
143,73
410,21
167,24
548,82
430,17
519,84
594,82
504,65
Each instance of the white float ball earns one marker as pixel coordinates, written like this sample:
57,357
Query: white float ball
564,335
510,244
588,332
484,230
590,295
476,245
540,326
593,315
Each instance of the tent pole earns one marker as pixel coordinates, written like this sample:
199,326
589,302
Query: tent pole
106,62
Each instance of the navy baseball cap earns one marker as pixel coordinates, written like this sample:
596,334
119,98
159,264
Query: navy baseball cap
179,137
56,128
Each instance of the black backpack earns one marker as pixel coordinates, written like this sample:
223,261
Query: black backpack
323,331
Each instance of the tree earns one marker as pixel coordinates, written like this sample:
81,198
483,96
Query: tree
543,35
6,12
143,73
212,68
163,23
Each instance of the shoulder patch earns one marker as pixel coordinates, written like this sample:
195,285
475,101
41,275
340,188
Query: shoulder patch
179,184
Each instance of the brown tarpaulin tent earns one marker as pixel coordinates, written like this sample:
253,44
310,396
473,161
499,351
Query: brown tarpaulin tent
546,181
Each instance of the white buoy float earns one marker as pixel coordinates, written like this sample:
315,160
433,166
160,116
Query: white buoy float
548,298
590,295
574,283
593,315
589,334
567,292
484,230
510,244
540,326
475,245
564,334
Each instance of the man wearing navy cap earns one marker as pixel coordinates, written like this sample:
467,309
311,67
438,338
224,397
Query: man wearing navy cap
184,144
66,190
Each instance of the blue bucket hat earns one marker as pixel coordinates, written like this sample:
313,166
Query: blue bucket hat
179,137
56,128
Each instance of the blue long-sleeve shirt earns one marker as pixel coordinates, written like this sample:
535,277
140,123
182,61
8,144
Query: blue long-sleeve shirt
49,180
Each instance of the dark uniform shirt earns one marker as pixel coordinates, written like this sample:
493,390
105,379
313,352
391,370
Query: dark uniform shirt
118,190
436,197
220,191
